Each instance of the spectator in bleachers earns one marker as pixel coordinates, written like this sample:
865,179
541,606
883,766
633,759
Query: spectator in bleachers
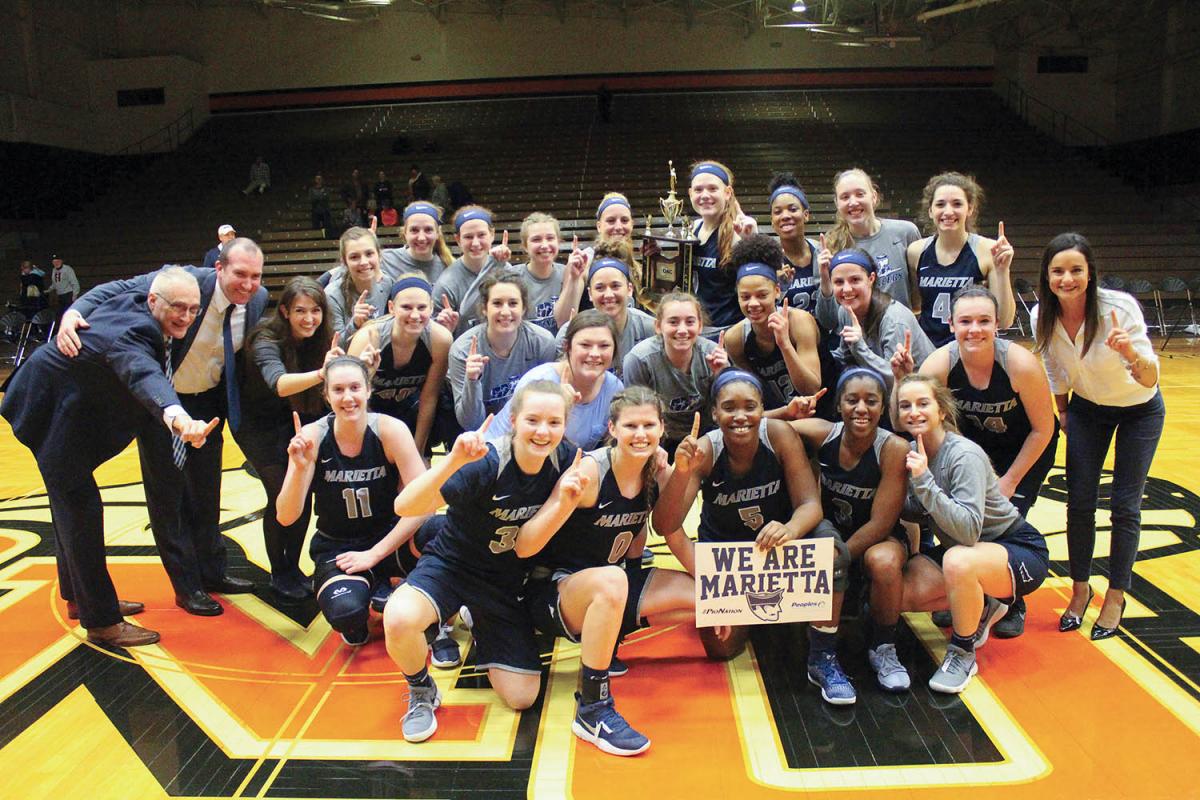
260,177
64,285
425,248
439,195
418,184
32,296
460,196
456,293
356,189
389,217
318,200
225,233
383,191
352,216
358,289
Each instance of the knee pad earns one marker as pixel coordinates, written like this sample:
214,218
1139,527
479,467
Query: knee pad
344,601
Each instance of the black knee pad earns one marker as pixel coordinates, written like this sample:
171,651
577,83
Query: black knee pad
344,600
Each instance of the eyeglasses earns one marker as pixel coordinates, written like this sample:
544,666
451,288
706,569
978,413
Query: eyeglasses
181,309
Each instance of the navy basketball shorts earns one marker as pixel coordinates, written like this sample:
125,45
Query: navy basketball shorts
1028,557
324,551
542,600
502,627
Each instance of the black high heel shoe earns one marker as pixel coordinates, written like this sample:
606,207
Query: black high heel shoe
1069,622
1100,632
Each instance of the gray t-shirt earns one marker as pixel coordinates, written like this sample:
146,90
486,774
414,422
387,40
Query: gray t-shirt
961,494
638,326
876,352
889,249
543,293
683,393
474,400
461,285
395,261
341,315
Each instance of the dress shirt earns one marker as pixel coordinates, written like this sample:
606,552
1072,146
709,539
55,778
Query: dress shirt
204,365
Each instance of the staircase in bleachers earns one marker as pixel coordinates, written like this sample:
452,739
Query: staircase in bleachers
554,155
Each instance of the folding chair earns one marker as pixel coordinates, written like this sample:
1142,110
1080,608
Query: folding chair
1143,291
32,332
1026,295
1173,287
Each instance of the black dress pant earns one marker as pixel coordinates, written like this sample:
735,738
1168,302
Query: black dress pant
83,577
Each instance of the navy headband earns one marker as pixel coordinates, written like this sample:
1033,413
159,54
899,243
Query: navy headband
756,268
409,282
859,372
795,190
423,208
728,376
613,201
607,263
852,257
709,168
467,216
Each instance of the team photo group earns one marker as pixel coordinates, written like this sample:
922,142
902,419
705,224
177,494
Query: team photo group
488,438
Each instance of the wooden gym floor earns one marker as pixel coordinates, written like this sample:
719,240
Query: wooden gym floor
265,702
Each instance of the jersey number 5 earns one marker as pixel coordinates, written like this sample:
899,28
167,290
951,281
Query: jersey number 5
752,516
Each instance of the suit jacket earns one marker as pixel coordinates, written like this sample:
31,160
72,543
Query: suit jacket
76,413
207,278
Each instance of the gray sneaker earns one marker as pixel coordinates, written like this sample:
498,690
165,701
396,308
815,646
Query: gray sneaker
1013,624
889,672
420,722
955,672
993,610
942,619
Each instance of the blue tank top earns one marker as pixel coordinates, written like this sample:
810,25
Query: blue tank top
487,502
770,367
354,496
594,537
395,390
994,417
735,507
847,494
938,283
716,287
802,291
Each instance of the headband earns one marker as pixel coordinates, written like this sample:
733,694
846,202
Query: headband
467,216
409,282
709,168
852,257
728,376
613,201
756,268
795,190
609,263
859,372
423,208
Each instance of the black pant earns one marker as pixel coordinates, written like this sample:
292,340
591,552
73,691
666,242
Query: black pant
264,444
83,577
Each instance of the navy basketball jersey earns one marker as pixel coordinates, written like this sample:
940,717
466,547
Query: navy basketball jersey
354,496
487,500
847,494
396,390
716,287
600,535
770,368
993,418
938,283
735,507
802,291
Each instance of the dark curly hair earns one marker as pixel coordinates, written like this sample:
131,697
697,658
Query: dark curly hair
783,179
759,247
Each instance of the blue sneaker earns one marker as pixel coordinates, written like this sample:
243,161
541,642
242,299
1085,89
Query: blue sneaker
826,672
617,667
446,654
601,724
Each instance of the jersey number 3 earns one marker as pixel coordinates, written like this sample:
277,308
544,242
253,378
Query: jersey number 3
507,540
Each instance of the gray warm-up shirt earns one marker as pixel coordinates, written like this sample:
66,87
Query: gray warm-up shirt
683,393
474,400
341,316
396,261
461,285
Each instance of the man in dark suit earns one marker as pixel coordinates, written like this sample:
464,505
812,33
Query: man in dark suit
76,413
184,504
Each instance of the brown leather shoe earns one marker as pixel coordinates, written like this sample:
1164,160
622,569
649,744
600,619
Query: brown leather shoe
123,634
127,608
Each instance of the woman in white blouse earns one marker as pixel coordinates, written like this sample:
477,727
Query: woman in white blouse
1104,376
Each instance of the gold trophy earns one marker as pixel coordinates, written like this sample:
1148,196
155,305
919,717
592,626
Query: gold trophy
671,205
667,257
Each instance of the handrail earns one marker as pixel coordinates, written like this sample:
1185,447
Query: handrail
171,136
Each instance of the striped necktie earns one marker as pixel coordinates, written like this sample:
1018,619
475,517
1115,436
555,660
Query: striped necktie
178,448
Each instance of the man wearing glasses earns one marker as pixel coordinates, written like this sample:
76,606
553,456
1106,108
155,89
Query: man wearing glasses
77,412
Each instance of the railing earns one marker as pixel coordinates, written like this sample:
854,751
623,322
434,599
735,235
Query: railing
1058,125
164,140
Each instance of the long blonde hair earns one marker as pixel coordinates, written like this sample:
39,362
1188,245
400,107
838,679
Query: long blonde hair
729,215
839,237
349,293
440,247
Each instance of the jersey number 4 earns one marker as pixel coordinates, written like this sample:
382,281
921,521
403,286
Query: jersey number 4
358,502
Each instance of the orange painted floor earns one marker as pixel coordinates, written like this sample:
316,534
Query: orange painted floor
265,701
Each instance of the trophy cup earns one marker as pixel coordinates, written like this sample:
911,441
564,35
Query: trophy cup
667,257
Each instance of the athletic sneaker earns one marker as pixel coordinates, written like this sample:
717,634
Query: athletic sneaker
647,557
1012,624
993,610
825,671
617,667
889,672
380,596
602,725
419,721
464,616
445,650
955,672
942,619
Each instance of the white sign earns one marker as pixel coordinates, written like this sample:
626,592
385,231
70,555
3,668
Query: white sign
739,584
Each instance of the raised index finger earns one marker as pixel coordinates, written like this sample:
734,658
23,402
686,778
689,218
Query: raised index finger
1001,229
578,456
1114,319
296,422
474,346
504,239
721,338
362,298
907,340
921,444
574,242
823,245
820,393
696,425
488,421
446,302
